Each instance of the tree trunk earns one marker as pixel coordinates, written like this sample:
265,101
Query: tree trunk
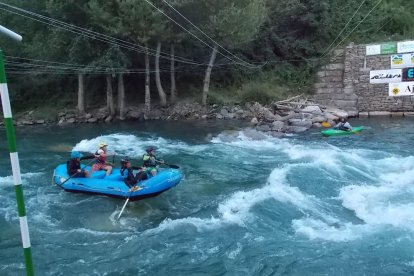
147,85
161,93
109,95
81,94
173,87
121,96
207,76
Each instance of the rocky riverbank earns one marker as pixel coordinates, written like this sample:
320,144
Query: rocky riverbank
276,119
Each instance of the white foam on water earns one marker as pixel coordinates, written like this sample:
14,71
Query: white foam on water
338,232
134,146
8,180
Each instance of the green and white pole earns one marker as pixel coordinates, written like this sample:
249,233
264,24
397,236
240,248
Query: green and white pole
14,159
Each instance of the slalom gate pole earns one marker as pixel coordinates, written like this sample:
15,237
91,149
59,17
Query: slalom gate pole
14,159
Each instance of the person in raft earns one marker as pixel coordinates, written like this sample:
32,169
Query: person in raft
127,171
74,166
150,161
101,154
343,125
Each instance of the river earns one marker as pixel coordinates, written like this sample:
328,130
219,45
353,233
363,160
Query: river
302,205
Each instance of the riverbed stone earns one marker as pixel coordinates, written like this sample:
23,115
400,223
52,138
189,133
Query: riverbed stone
254,134
92,120
263,128
277,125
300,123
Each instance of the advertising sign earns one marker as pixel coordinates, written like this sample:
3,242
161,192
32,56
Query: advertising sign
408,74
372,50
405,47
381,49
388,48
385,76
402,61
401,89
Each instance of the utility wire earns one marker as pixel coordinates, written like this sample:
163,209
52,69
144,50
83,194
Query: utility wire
197,28
199,39
91,34
360,22
343,29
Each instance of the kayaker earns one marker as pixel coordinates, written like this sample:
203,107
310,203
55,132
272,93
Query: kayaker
74,166
150,161
343,125
128,172
101,154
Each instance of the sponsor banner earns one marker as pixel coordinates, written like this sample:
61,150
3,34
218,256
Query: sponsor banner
385,76
372,50
381,49
389,48
408,74
402,61
405,47
401,89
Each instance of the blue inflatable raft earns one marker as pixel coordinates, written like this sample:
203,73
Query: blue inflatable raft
113,184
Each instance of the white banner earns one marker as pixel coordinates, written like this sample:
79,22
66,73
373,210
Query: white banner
401,89
402,61
372,50
385,76
405,47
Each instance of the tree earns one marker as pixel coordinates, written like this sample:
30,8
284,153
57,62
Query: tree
232,24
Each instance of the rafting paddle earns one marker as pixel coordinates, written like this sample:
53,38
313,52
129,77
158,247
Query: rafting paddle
84,168
126,202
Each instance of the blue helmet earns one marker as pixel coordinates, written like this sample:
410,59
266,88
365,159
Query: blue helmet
76,154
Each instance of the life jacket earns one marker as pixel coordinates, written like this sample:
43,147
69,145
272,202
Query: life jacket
342,126
149,161
100,159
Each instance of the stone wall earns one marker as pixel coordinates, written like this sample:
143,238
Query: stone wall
344,83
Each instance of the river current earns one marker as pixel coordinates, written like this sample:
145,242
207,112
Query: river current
302,205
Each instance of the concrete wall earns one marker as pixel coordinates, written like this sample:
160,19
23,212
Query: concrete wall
344,83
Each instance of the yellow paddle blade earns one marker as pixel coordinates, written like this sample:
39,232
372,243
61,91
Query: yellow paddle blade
326,124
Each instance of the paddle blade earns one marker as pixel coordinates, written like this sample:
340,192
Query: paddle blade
123,207
326,124
173,166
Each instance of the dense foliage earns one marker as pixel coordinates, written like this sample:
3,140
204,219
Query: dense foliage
255,49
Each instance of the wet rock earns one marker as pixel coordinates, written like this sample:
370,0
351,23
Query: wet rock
224,112
318,119
108,119
88,115
39,122
296,129
71,121
312,109
300,123
254,134
92,120
254,121
219,116
27,122
278,134
277,125
337,112
317,125
263,128
61,121
204,116
228,136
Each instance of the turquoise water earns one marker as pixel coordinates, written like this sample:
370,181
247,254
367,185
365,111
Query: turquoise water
304,205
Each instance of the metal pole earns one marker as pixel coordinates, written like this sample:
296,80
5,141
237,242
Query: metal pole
14,159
